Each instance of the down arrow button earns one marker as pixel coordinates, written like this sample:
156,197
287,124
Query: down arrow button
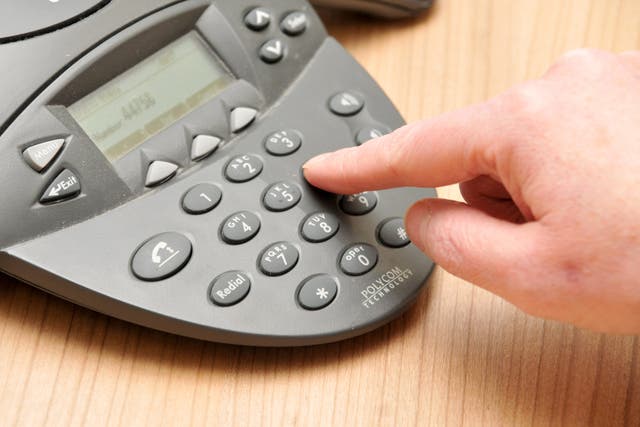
65,186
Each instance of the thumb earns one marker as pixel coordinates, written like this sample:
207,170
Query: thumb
497,255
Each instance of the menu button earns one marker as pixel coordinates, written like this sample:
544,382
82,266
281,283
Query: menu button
39,156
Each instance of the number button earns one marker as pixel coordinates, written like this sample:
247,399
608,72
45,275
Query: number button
319,227
359,204
201,199
278,259
358,259
283,142
240,227
243,168
392,233
281,196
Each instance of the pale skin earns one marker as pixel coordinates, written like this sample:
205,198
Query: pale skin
550,172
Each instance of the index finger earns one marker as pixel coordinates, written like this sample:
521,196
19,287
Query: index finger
447,149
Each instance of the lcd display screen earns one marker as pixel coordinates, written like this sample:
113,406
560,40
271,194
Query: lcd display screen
151,96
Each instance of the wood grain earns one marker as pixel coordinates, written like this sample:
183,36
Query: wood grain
460,356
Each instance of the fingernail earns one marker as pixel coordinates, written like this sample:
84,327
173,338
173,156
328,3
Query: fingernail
416,219
315,161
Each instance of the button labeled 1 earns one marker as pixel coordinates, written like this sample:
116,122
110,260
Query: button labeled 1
201,199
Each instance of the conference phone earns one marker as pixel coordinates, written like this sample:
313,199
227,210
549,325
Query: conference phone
151,156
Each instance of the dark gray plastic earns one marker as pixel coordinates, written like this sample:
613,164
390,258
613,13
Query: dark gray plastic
82,249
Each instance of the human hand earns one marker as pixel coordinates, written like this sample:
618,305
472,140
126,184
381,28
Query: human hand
550,172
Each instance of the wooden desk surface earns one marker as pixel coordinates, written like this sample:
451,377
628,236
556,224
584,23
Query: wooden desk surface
460,356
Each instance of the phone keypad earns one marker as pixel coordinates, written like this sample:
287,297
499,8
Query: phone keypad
318,290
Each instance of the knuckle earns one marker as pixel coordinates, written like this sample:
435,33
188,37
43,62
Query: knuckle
583,62
526,101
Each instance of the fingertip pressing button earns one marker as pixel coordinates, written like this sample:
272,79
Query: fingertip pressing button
371,132
392,233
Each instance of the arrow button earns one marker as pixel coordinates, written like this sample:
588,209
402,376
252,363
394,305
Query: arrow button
65,186
257,19
346,103
272,51
294,23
